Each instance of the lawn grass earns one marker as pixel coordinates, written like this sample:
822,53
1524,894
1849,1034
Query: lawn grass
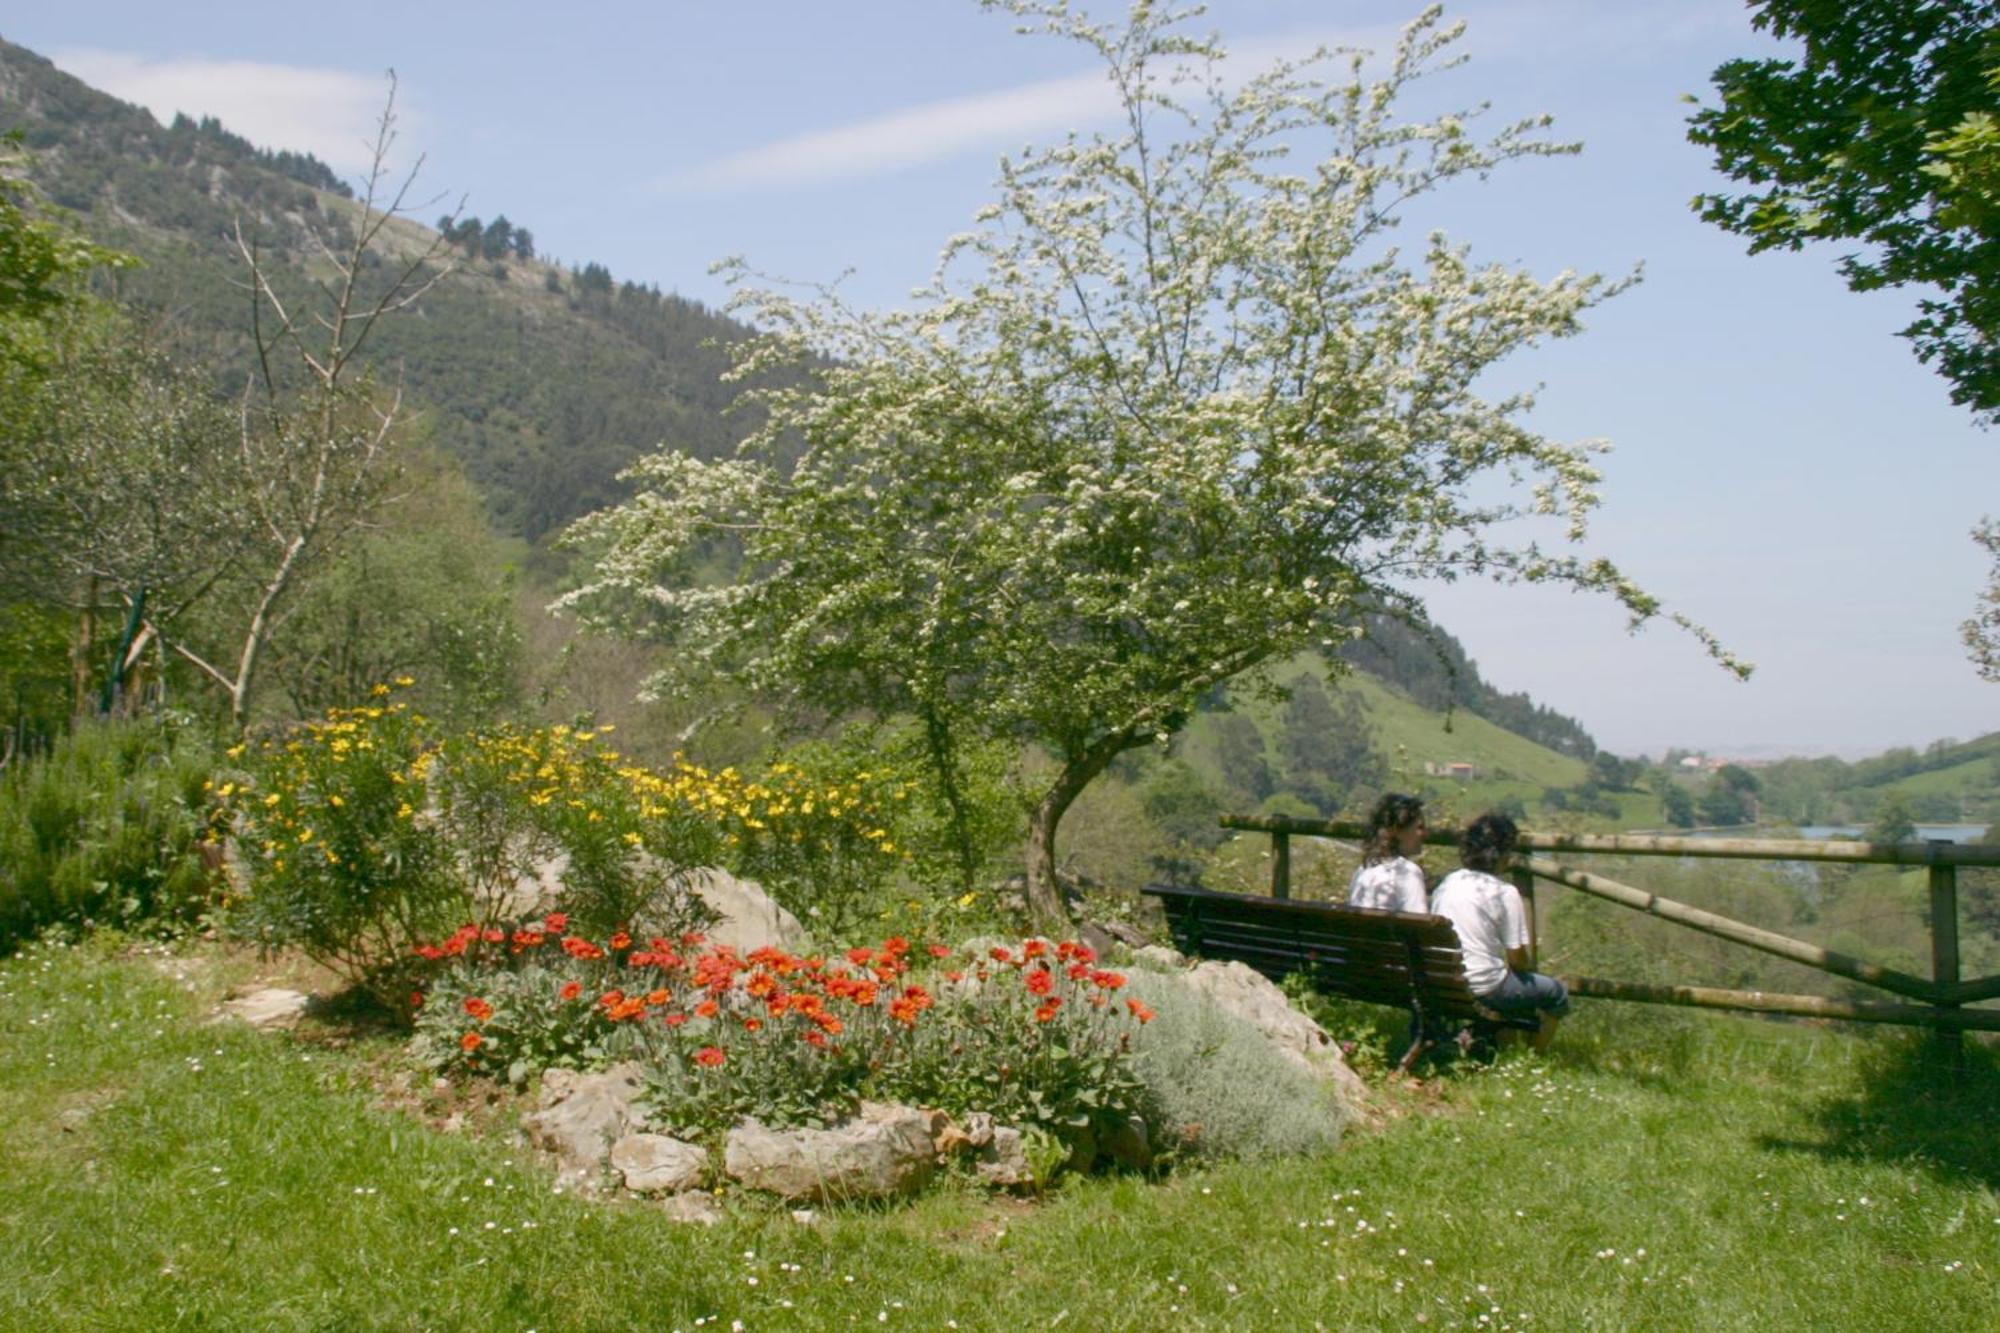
1655,1171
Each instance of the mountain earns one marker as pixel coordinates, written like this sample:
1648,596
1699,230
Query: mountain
541,382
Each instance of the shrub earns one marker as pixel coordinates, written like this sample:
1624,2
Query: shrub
106,826
1221,1090
346,860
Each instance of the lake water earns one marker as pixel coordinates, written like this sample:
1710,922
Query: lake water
1946,832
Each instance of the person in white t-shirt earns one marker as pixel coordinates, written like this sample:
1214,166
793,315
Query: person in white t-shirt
1492,926
1388,878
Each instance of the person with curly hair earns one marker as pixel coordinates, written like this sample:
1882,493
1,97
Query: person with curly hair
1492,925
1389,879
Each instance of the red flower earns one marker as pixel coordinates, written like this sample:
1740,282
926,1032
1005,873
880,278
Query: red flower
1077,971
430,951
937,950
709,1057
690,939
621,941
471,1042
674,1020
1139,1011
1000,955
1039,981
954,977
752,1024
416,999
494,936
557,922
860,957
1034,949
1108,980
611,997
577,947
895,946
706,1009
864,994
570,990
814,1038
527,939
1048,1009
478,1008
658,997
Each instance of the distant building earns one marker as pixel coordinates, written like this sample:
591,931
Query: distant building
1459,770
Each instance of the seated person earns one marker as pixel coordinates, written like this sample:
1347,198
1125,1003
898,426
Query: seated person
1492,925
1388,879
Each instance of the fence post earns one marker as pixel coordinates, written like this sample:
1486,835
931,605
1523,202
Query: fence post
1944,948
1281,864
1524,880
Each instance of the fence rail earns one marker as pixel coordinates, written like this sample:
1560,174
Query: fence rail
1942,995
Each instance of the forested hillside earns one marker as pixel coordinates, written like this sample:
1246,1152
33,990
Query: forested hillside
541,382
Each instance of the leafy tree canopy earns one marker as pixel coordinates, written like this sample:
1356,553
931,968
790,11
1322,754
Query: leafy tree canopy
1884,133
1175,408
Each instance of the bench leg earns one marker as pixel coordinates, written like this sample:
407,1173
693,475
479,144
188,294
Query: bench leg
1414,1054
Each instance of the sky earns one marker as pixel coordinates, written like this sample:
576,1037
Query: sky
1783,470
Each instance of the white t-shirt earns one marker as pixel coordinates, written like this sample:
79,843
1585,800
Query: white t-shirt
1394,885
1490,919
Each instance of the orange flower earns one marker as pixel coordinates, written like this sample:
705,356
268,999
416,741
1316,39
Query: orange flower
581,948
557,922
706,1009
937,951
494,936
895,946
658,997
621,941
752,1024
1000,955
1139,1011
1039,981
814,1038
527,939
674,1020
709,1057
860,957
1048,1009
1108,980
570,990
478,1008
471,1042
1034,949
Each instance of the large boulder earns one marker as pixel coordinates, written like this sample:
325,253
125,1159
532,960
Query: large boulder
1248,994
882,1152
747,917
580,1116
1003,1158
658,1164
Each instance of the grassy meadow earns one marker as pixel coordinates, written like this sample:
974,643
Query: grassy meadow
1653,1171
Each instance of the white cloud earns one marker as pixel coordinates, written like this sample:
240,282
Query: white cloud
329,113
934,131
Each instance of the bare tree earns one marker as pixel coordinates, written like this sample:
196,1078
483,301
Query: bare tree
317,436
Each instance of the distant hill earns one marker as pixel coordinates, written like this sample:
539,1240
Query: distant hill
543,383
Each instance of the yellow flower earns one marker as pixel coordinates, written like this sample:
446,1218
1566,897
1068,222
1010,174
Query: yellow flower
272,799
235,751
405,681
404,811
634,839
968,900
379,691
335,802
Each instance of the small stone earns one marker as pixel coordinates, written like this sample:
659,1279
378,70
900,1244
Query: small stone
692,1206
273,1006
658,1163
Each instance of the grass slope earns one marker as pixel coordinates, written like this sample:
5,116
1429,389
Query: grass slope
1657,1171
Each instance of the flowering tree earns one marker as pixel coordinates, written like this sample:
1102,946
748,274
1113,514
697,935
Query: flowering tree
1174,410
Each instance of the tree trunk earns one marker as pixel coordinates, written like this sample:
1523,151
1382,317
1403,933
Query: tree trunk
1046,912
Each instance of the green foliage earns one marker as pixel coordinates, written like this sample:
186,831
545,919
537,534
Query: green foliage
1892,822
106,826
1883,134
423,591
1222,1090
1020,511
1330,751
40,259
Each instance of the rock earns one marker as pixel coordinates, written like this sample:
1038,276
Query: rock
1161,958
268,1008
1254,998
582,1115
1128,1144
805,1217
1097,937
1004,1159
658,1164
693,1206
884,1151
747,917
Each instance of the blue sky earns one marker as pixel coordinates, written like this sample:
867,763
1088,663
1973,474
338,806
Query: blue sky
1783,469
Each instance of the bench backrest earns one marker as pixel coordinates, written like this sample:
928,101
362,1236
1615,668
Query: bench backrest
1394,958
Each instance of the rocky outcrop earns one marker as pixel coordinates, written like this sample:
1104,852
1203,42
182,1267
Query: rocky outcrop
747,917
658,1163
1249,995
882,1152
580,1117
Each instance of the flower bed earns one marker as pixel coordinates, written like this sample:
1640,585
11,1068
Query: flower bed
1036,1034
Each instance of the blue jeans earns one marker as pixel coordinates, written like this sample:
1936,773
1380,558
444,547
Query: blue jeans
1527,993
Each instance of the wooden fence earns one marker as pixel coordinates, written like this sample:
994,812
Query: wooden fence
1939,1001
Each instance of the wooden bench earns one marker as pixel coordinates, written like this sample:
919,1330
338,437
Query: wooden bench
1393,958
